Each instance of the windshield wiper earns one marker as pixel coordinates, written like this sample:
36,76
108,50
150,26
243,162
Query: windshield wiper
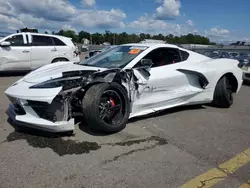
88,65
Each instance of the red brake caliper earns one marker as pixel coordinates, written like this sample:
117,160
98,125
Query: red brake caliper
112,102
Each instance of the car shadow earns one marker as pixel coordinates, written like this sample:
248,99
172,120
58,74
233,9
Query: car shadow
39,133
246,83
85,128
13,73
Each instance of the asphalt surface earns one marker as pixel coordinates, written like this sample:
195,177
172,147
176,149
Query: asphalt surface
164,150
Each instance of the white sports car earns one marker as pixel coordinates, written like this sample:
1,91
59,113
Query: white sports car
120,83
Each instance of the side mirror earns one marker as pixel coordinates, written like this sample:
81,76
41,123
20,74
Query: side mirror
86,57
144,67
5,44
146,63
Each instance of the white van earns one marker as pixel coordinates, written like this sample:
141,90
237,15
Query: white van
28,51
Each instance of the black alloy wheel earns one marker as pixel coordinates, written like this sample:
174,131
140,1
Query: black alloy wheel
111,107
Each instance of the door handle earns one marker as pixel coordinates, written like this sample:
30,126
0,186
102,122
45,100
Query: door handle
54,50
26,51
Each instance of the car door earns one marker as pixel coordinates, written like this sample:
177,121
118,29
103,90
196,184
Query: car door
17,55
165,86
42,48
63,50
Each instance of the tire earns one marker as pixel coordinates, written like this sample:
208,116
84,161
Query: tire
59,59
223,94
91,105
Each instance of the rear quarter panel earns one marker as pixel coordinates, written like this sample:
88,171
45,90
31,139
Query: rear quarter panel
216,68
213,70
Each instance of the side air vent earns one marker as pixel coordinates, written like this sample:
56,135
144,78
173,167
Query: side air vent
202,79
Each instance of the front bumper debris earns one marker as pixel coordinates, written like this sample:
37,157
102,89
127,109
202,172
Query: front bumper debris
30,121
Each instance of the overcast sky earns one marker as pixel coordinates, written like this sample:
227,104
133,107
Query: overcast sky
220,20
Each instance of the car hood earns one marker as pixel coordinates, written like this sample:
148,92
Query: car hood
55,70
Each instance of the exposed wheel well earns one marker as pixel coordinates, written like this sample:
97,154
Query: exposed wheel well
59,58
90,85
233,81
95,83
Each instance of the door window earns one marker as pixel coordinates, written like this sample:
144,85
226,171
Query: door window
16,40
38,40
163,56
58,42
184,55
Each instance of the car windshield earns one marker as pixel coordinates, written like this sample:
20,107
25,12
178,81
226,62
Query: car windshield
116,57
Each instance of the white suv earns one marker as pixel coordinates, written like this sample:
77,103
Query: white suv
28,51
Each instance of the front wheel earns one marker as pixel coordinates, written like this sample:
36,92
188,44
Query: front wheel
223,94
106,107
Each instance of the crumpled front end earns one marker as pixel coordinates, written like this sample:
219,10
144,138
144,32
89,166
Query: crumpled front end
51,104
42,109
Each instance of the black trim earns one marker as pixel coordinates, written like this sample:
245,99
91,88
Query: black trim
202,79
41,36
55,39
184,55
78,73
161,48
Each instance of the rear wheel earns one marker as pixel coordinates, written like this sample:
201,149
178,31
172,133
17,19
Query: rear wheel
106,107
223,94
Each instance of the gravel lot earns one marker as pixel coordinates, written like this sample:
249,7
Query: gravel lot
166,150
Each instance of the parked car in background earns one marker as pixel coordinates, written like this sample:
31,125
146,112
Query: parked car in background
234,54
244,64
218,54
243,58
224,55
211,54
29,51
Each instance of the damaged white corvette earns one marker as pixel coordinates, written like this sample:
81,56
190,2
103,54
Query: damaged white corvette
122,82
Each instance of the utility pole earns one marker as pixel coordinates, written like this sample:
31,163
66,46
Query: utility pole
91,39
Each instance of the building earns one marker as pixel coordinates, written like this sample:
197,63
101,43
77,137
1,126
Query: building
197,46
85,41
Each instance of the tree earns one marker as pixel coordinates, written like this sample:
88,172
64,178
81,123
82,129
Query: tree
142,36
123,38
109,37
97,38
83,35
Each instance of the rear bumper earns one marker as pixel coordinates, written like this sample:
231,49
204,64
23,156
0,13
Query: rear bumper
33,122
